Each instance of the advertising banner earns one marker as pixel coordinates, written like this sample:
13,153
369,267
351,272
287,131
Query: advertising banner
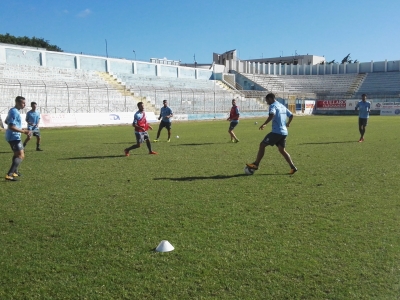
390,109
331,104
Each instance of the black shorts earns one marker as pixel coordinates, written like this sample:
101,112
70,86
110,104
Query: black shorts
362,122
233,125
165,124
16,145
35,132
276,139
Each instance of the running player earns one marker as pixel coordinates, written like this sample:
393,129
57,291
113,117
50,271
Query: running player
278,114
141,127
234,118
165,117
363,107
13,137
33,119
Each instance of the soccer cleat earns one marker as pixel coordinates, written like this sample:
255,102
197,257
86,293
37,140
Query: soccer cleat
361,140
153,152
236,141
155,141
10,178
16,174
38,149
126,152
252,166
168,140
292,171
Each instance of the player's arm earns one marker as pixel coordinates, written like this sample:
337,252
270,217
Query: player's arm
14,128
356,107
290,120
270,117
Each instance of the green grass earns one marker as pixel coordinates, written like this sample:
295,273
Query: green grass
83,221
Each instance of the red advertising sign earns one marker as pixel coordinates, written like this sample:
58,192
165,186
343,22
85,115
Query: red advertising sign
331,104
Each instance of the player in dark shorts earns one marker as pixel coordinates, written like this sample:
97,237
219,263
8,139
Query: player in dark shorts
165,117
277,114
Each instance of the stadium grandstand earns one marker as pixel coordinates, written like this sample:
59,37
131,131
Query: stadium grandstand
76,83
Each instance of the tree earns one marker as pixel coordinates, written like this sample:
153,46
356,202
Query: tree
26,41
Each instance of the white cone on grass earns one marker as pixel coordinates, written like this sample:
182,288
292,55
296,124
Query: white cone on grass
164,246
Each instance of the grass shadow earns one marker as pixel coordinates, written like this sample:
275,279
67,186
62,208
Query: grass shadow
327,143
93,157
192,178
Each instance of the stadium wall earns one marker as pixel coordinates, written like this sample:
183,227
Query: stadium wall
20,55
318,69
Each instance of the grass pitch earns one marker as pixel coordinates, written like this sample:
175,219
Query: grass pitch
83,221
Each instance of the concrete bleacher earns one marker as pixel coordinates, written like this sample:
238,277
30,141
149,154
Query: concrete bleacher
387,83
185,95
59,90
324,84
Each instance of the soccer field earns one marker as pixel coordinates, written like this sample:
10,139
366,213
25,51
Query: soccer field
83,221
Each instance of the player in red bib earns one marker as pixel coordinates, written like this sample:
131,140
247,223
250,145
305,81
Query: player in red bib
141,127
234,118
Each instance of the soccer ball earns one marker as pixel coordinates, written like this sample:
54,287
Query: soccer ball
248,171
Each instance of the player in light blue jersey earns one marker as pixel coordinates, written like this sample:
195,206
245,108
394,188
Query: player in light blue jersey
13,137
165,117
33,119
363,107
278,114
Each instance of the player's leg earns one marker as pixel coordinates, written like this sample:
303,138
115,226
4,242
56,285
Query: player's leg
28,138
231,133
169,131
17,159
148,143
160,127
139,141
287,157
38,139
361,128
260,155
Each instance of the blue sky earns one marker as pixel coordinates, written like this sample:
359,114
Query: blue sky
180,29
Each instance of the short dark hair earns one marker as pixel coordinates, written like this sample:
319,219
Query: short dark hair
139,103
19,99
164,101
364,95
270,96
33,103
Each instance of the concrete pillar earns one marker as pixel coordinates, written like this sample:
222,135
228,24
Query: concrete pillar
279,69
385,65
134,67
178,72
43,61
372,66
77,62
344,68
158,70
358,68
108,66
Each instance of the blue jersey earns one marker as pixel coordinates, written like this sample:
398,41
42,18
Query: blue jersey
280,113
363,109
165,111
13,118
32,117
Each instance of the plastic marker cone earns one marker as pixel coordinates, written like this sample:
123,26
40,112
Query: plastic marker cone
164,246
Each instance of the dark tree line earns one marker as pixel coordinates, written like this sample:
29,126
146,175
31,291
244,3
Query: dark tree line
26,41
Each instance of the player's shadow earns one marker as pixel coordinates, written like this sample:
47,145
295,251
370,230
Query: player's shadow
192,178
121,143
92,157
326,143
194,144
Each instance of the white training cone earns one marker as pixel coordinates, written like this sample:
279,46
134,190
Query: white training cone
164,246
